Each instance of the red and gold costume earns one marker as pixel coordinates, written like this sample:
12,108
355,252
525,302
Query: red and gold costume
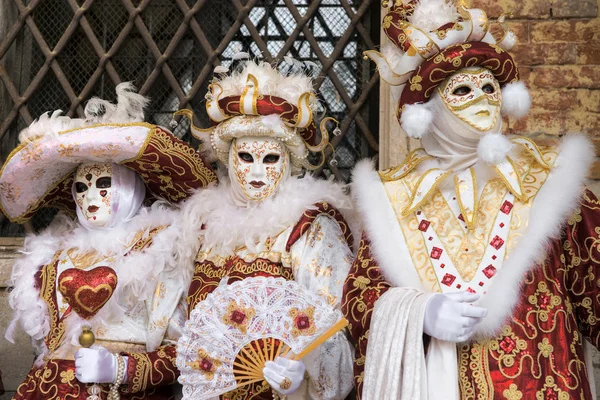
472,211
542,307
309,242
265,222
123,281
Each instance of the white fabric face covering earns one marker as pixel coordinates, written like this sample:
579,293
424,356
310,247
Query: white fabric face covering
106,194
257,165
452,139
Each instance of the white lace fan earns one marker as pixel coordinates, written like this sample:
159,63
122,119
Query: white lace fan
238,327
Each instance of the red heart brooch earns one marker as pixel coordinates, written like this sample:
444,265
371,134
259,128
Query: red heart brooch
87,291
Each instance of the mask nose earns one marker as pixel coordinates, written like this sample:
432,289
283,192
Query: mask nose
256,170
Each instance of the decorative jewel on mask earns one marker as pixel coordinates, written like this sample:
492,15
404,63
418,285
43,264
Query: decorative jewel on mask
259,164
93,187
474,96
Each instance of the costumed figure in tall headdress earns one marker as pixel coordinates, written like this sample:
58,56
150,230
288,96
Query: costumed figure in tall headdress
265,221
475,277
102,295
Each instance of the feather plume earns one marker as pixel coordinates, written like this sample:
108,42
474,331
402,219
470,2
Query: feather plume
429,15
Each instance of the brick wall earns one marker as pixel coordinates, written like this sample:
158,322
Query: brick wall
558,54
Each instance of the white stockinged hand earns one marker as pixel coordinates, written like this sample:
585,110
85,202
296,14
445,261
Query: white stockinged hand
284,375
95,365
451,316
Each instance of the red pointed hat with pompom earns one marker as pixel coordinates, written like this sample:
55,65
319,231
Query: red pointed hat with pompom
431,40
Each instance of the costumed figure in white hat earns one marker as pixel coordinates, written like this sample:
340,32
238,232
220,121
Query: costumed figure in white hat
476,273
102,295
266,221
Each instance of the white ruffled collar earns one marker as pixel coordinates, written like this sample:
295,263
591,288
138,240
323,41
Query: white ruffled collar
227,226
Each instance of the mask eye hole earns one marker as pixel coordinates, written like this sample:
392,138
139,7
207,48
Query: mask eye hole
271,158
488,89
80,187
104,182
246,157
461,91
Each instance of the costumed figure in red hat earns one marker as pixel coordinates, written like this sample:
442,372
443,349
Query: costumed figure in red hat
102,294
266,221
476,273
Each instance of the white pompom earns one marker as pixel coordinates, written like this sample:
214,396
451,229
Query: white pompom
515,100
416,120
493,148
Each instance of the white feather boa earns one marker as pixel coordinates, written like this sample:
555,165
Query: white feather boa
228,226
168,256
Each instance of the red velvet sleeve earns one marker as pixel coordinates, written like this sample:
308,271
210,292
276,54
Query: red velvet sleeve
363,287
149,370
580,261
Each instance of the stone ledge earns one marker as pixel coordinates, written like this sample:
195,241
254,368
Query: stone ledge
9,250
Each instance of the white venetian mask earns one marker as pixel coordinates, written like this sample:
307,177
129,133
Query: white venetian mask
259,164
93,189
473,95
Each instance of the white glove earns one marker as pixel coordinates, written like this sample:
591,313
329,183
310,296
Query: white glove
96,365
282,368
451,317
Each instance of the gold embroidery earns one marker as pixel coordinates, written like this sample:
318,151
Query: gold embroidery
551,390
512,393
143,372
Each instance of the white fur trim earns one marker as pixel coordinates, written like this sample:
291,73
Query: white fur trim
516,100
381,225
228,226
416,120
493,148
555,202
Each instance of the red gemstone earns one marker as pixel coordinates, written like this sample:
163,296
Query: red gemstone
494,257
442,265
458,285
460,216
238,317
471,290
480,283
206,365
501,224
489,271
302,322
436,253
448,279
430,238
424,225
497,242
507,345
506,207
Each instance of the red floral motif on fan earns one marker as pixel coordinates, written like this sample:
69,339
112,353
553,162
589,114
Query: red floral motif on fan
238,316
206,364
304,323
87,291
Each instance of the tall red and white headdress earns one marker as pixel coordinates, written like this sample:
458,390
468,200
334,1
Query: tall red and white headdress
432,39
260,100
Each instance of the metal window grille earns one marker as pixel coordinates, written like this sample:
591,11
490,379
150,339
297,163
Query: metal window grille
59,53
